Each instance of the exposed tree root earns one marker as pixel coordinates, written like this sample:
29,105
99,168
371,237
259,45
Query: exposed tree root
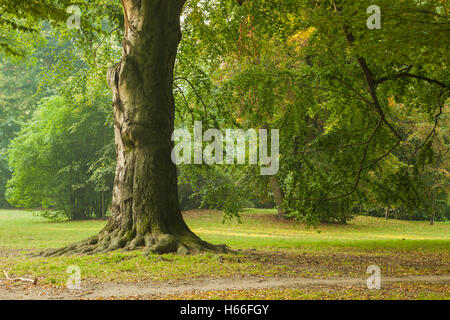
152,244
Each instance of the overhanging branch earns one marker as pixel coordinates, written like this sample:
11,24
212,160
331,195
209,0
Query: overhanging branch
410,75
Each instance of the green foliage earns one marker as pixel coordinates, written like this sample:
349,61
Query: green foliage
213,188
24,18
303,67
51,157
61,61
18,94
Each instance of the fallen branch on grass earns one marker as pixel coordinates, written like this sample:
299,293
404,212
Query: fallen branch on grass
33,281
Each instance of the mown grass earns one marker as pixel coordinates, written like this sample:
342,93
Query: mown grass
281,248
21,229
259,229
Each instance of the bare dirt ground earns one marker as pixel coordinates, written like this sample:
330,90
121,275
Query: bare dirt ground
15,290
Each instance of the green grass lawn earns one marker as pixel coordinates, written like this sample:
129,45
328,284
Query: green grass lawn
266,247
260,229
21,229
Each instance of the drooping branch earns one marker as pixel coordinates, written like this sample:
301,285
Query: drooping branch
371,84
436,121
361,166
205,107
191,112
410,75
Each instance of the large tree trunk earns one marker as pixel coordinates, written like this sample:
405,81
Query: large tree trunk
145,206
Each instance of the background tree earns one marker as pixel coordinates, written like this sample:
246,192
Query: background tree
19,92
51,157
329,76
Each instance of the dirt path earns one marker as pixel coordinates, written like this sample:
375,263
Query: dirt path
126,290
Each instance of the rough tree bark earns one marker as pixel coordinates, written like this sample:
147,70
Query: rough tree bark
145,206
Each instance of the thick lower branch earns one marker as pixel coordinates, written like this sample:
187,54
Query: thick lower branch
409,75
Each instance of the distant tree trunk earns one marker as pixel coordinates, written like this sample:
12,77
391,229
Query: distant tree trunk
145,205
278,195
103,205
386,212
433,210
